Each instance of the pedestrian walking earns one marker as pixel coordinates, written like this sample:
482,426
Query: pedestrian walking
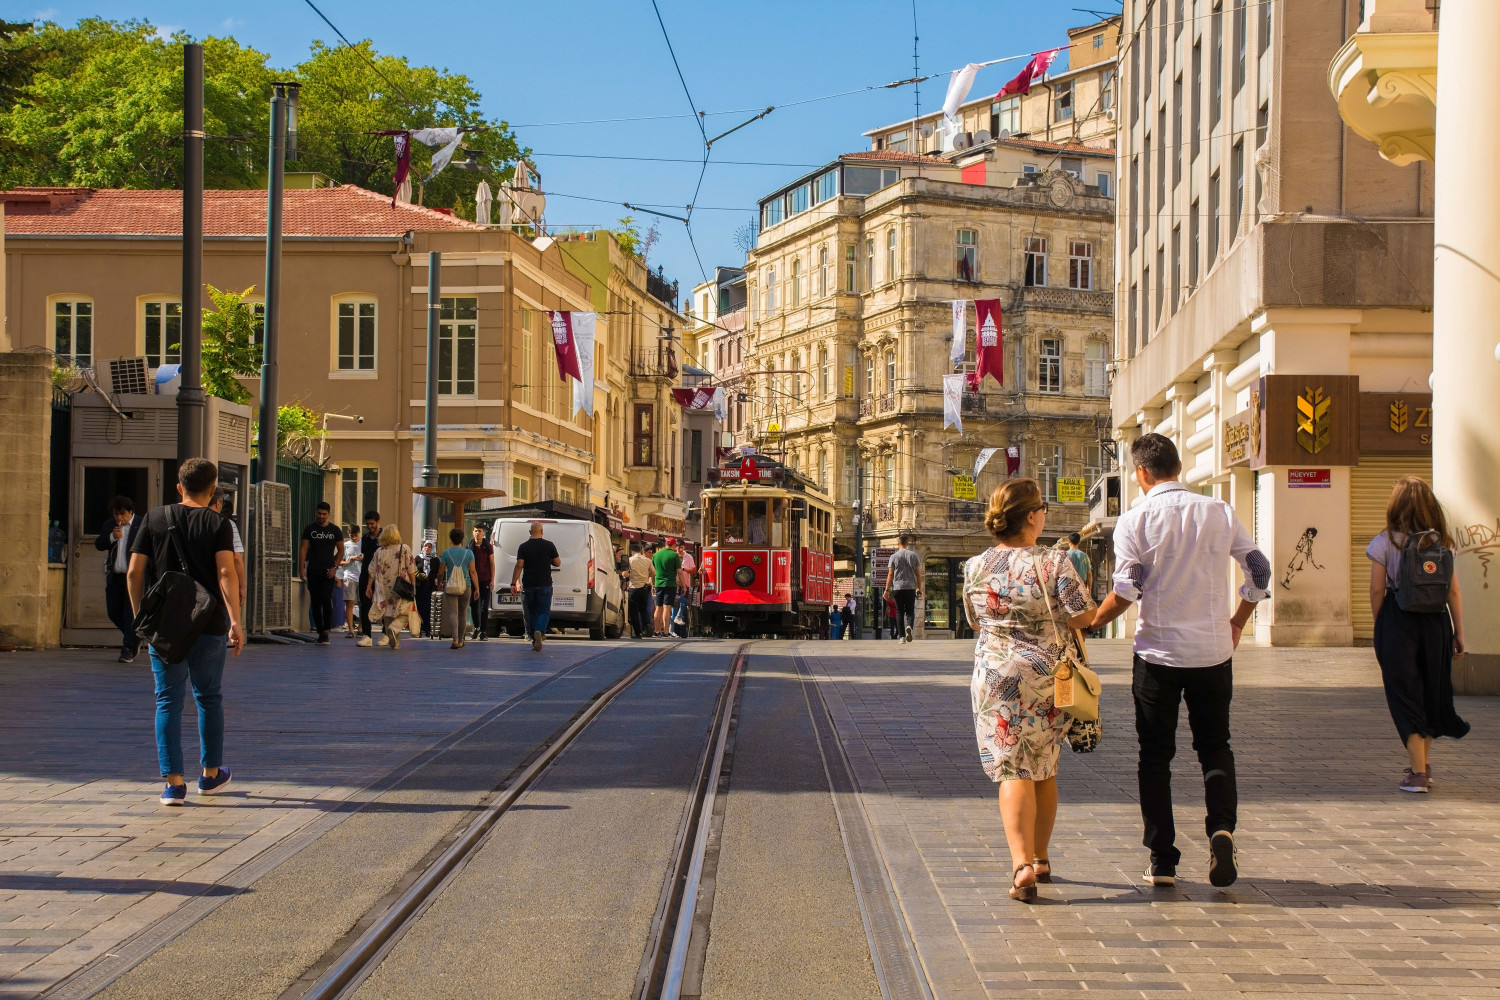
687,567
891,614
835,624
318,559
349,573
850,618
667,562
393,587
189,538
1419,624
484,572
1082,564
532,579
429,568
114,539
1172,553
241,579
642,577
903,582
1021,598
457,567
369,544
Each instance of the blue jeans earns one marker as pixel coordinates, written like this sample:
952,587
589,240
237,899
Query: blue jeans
536,608
204,666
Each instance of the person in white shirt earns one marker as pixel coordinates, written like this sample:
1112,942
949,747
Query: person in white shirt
349,576
1172,554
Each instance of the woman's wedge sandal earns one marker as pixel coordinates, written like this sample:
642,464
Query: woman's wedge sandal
1023,893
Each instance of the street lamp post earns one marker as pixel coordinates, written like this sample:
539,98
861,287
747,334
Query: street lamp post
281,95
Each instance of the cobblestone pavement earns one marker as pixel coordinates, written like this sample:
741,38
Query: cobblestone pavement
88,857
1348,887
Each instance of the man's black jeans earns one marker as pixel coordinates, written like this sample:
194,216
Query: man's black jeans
320,594
1157,691
906,611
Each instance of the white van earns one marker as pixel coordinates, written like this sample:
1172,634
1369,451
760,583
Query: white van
586,589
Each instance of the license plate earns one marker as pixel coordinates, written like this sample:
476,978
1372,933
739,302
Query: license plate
510,598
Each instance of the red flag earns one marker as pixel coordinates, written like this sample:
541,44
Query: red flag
694,399
403,155
1012,460
562,339
1032,73
989,344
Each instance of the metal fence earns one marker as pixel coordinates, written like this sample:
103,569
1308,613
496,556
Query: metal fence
269,562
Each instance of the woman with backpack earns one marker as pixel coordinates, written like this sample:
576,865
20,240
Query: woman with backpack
1419,625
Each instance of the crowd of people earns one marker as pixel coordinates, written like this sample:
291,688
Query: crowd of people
658,581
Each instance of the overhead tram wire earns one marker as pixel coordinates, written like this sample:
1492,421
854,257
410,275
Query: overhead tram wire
411,105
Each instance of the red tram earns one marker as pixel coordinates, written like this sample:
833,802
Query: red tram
767,557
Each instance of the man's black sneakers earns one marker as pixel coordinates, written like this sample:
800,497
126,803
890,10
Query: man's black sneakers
1161,874
1222,867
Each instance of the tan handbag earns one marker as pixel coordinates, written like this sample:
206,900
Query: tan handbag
1075,686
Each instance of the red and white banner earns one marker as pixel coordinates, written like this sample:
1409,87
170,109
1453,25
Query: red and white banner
1034,72
982,459
583,348
989,344
1012,460
563,327
701,398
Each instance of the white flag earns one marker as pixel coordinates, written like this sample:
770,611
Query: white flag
983,457
958,89
960,330
447,138
953,392
583,346
720,405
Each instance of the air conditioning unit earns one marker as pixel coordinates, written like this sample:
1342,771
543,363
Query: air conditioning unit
1109,113
124,377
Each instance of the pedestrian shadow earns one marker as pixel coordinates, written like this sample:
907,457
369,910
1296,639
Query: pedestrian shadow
34,882
1286,894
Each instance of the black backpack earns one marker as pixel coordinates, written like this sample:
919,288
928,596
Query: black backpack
1426,573
177,608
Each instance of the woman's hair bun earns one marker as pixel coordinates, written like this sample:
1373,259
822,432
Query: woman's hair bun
994,521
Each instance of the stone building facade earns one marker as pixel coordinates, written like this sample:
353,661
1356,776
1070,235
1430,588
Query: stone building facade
850,322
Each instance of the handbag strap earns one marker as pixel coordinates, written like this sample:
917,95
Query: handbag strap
1052,617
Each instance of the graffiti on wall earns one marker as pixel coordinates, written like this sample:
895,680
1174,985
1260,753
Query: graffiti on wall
1301,559
1482,541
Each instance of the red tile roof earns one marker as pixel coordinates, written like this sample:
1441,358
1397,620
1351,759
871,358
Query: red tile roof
343,211
891,156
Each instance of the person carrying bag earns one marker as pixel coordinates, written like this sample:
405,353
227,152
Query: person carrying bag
177,609
1075,687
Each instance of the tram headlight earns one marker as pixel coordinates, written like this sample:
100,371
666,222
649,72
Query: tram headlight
744,576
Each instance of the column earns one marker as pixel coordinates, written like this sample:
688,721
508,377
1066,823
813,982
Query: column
1466,300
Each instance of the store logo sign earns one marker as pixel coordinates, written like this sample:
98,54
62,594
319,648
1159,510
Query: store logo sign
1314,420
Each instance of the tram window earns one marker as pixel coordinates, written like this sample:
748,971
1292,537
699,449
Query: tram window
758,534
733,520
778,523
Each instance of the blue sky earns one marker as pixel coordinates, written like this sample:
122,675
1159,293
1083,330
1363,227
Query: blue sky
572,60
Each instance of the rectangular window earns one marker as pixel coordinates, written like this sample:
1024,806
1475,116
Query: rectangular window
1176,270
822,271
800,197
1237,163
1104,181
1135,83
968,250
1062,101
825,375
643,430
1131,327
1135,198
771,292
528,361
770,213
163,333
1216,72
695,458
1145,306
851,476
869,264
73,331
1241,31
1161,278
520,489
1265,26
356,337
359,491
1196,97
1071,165
1193,230
1107,90
1095,368
861,181
458,328
1007,115
1049,371
1080,265
1213,221
1049,471
1161,159
828,186
1177,134
1036,261
851,271
891,271
794,291
896,141
870,377
1099,41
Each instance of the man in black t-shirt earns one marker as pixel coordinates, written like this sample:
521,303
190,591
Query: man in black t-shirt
318,559
533,581
206,543
369,544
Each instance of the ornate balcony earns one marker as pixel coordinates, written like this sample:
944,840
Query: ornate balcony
965,510
1069,300
1385,80
887,402
867,407
653,362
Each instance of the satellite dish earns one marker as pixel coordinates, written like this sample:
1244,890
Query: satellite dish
982,136
925,131
1005,133
961,141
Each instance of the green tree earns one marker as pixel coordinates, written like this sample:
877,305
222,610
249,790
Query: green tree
17,60
103,108
628,236
343,99
230,351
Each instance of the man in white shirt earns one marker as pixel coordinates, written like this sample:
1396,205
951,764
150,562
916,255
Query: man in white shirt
1172,554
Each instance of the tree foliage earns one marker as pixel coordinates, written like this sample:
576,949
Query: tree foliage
100,105
229,349
628,236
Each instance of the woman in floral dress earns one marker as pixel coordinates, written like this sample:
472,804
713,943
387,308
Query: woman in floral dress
1007,591
392,561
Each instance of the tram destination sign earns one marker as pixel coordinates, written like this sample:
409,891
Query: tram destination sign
747,471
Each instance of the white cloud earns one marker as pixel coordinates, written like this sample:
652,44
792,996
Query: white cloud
49,14
230,23
164,31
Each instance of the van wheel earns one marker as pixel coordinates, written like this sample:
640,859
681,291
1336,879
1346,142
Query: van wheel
613,631
596,630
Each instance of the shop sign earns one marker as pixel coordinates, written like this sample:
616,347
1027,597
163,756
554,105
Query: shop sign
1294,417
1309,479
1071,490
1395,423
963,487
1238,444
661,523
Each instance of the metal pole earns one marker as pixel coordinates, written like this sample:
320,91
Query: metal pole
859,549
190,402
429,421
266,451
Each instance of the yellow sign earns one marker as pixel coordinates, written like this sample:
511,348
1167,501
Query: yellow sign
1071,490
963,488
1314,421
848,380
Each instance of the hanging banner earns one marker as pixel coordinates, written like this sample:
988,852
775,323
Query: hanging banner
958,90
583,346
960,330
1034,72
562,339
447,138
982,459
989,344
953,394
1012,460
701,398
720,405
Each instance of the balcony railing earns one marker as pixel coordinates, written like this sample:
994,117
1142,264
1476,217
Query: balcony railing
867,407
653,362
660,289
887,402
972,403
965,510
1068,300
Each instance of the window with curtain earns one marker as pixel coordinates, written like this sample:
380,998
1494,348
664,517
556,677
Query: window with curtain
1080,265
1036,261
458,349
968,262
162,333
1049,370
1095,368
